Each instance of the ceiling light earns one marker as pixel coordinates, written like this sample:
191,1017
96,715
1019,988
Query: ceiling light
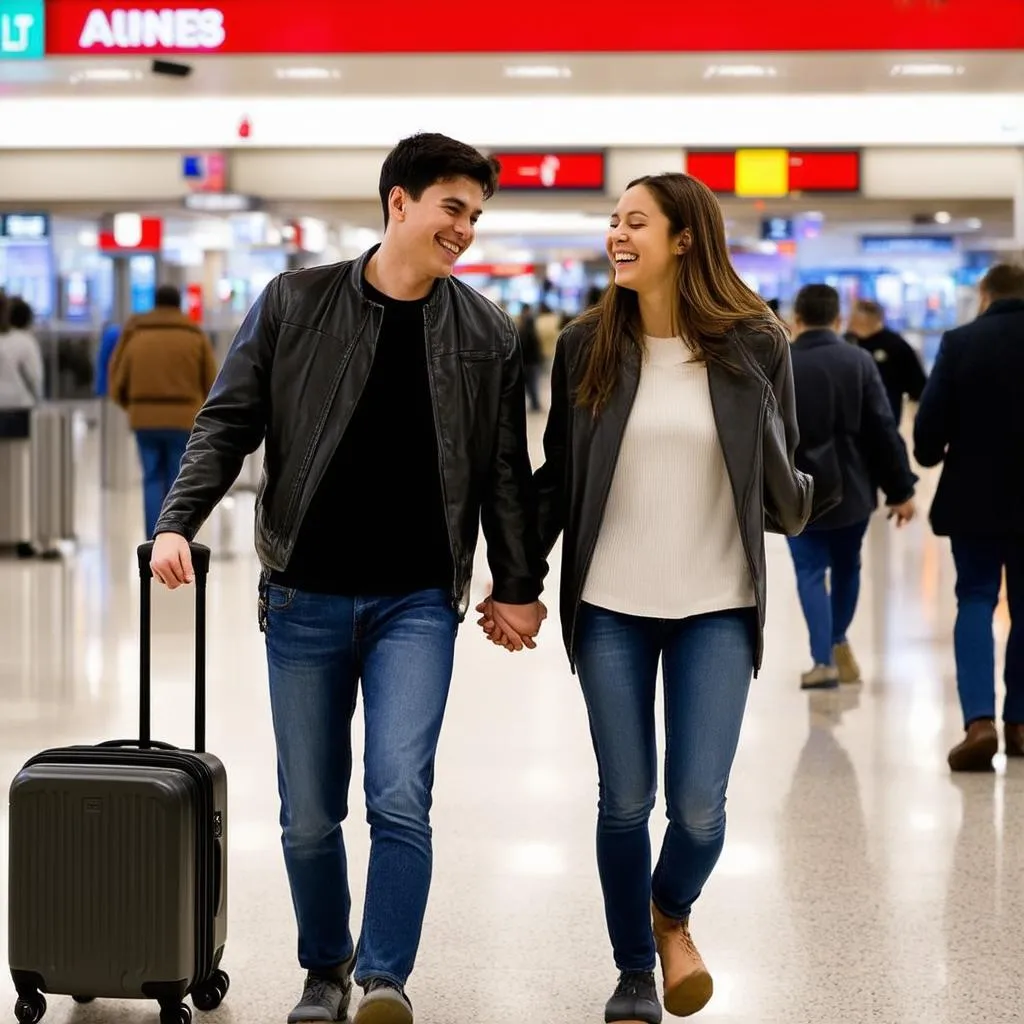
927,70
942,217
307,74
105,75
535,71
740,71
973,223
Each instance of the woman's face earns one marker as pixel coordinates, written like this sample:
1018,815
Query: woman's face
640,243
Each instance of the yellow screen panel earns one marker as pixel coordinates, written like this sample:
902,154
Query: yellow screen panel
762,173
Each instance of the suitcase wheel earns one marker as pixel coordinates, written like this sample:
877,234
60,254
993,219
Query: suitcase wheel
211,993
177,1014
30,1009
84,999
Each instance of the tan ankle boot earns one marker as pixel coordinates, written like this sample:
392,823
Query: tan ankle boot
688,986
975,751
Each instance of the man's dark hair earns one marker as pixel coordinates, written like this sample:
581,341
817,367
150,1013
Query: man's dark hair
817,305
423,160
875,310
1004,281
5,306
19,315
168,295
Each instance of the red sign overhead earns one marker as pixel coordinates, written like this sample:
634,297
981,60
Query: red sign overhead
808,170
412,26
150,238
556,172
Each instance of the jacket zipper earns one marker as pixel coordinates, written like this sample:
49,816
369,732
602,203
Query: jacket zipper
314,444
457,579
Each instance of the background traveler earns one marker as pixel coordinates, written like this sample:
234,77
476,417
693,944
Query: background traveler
972,421
850,444
161,372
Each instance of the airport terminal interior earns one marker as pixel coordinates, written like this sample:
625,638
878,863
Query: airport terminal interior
148,144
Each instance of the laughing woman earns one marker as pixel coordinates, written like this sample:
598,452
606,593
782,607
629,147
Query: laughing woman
669,449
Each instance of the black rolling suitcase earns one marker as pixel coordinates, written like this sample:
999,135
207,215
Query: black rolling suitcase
118,860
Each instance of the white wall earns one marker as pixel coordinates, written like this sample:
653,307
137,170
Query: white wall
872,119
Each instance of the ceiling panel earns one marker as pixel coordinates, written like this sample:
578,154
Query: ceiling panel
512,75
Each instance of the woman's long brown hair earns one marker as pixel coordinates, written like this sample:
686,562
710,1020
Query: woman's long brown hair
712,299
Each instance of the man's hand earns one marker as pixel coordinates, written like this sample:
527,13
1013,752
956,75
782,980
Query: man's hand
172,560
904,513
512,626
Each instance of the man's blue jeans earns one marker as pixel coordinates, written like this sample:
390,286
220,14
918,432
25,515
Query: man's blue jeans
980,562
828,610
707,662
319,648
160,452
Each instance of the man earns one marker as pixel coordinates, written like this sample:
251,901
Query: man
391,398
161,372
971,420
898,363
849,442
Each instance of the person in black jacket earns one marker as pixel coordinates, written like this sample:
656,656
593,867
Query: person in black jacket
971,420
850,444
668,451
390,399
530,343
898,363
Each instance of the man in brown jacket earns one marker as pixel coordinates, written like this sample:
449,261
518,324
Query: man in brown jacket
161,372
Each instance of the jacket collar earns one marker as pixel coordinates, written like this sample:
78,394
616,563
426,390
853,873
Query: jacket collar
437,302
1005,306
816,337
164,316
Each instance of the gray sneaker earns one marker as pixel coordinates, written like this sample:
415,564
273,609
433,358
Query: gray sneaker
326,997
384,1003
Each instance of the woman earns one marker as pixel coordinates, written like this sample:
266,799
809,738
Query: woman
669,447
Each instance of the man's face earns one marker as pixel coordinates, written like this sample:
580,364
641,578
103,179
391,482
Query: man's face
862,324
435,230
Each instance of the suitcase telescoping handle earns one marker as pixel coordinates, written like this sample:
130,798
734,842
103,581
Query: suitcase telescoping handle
201,565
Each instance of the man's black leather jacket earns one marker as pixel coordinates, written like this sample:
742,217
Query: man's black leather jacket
292,380
755,412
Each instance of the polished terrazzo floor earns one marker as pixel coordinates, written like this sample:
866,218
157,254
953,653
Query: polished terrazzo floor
860,882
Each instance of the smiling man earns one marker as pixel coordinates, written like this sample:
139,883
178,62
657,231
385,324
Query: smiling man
390,397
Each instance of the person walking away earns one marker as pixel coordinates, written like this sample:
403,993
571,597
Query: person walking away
21,360
971,421
669,446
898,363
850,442
548,325
530,342
366,529
160,373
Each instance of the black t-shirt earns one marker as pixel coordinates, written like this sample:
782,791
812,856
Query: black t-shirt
901,370
376,525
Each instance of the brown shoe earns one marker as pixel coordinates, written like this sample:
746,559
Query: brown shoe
849,670
975,752
688,986
1014,734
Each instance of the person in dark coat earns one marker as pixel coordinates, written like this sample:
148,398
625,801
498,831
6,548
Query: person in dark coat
972,421
850,444
898,363
529,341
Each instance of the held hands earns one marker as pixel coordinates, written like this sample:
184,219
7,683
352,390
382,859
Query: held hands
512,626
